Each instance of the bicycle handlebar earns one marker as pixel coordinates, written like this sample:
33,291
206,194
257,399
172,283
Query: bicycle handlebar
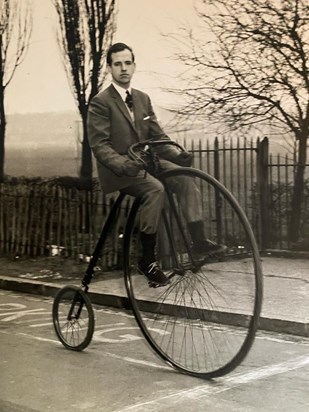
142,145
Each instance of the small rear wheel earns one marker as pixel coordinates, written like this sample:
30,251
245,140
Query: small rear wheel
73,318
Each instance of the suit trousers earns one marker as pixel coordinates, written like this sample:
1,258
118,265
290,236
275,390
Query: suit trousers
150,191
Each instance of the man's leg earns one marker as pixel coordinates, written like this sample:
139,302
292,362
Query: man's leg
188,194
189,197
150,193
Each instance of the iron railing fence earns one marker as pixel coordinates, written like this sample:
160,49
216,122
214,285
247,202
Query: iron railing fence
46,219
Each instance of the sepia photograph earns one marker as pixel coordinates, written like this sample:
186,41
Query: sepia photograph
154,205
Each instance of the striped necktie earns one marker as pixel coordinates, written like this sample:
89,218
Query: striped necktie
129,101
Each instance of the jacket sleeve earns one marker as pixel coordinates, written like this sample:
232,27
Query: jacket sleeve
98,124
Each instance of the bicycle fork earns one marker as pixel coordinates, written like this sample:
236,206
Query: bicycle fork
179,268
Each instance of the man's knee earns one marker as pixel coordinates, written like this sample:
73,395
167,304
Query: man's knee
155,190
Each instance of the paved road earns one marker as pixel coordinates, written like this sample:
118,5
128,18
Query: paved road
119,373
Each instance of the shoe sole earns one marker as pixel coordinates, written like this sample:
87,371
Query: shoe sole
151,283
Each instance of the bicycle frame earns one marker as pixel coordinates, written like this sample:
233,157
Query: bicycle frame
178,221
190,311
109,224
100,244
112,215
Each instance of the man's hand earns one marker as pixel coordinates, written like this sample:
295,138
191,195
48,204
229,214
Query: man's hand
184,159
132,167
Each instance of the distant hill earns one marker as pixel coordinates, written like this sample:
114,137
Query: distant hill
42,144
62,129
42,129
48,144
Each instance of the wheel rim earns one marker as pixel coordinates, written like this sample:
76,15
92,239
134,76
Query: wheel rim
73,318
204,322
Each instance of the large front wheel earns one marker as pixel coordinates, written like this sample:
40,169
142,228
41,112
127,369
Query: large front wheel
204,322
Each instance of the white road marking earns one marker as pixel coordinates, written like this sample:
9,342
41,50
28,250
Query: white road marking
261,336
17,315
221,385
39,325
108,354
282,338
24,321
227,382
12,306
271,370
114,312
39,339
200,391
64,317
136,361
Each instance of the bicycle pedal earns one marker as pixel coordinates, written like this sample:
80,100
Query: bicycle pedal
155,285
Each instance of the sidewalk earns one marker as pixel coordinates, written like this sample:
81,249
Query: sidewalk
286,287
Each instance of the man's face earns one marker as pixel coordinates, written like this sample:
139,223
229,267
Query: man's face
122,68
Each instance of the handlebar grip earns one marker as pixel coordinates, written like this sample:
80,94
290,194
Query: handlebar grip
141,145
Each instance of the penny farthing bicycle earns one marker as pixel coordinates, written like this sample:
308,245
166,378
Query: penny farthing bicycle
204,321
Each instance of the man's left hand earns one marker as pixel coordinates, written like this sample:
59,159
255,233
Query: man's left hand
184,159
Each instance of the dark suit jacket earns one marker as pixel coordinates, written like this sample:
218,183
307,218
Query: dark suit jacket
111,131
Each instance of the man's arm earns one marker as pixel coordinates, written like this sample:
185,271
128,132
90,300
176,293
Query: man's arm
166,151
99,137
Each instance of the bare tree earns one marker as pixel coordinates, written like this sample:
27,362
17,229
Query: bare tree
15,33
249,68
86,32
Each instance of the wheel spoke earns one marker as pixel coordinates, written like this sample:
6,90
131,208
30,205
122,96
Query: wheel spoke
205,320
74,333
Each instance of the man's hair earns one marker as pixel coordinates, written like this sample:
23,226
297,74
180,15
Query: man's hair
115,48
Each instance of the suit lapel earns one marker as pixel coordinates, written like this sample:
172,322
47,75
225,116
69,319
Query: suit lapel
137,108
121,105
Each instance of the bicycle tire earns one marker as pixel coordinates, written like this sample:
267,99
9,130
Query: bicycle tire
73,318
203,323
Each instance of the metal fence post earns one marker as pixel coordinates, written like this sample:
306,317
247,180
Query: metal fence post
263,192
217,195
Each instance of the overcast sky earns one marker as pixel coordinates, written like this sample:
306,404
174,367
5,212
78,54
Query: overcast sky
40,84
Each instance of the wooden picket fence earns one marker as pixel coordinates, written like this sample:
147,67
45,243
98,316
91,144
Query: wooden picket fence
47,219
43,219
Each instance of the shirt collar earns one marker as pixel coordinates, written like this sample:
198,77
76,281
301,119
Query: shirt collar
122,91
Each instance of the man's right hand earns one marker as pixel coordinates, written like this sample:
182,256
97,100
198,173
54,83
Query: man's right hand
132,167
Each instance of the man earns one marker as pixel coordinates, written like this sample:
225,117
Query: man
118,117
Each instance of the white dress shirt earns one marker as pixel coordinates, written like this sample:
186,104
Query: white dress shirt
123,95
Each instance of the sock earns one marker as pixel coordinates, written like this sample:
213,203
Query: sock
196,230
148,246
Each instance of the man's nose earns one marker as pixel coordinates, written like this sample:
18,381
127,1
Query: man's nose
123,67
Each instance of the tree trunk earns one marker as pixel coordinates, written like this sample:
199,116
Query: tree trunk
2,134
296,204
86,166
